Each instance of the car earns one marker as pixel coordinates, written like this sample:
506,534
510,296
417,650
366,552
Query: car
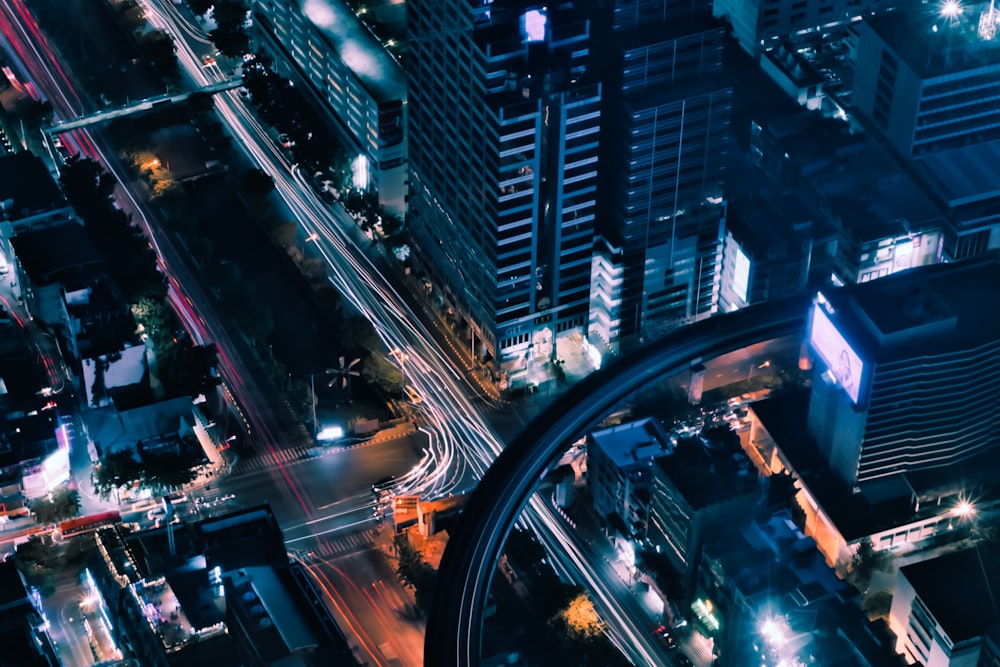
383,484
285,140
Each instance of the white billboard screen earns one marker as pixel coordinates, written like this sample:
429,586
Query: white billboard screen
844,363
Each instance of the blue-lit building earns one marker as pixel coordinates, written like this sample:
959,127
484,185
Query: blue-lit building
907,371
503,120
756,22
620,472
221,591
353,76
665,134
24,636
926,81
896,434
944,611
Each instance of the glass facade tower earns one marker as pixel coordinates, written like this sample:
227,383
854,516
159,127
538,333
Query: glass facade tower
503,125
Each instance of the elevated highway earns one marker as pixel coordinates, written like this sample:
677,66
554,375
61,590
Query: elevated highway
454,627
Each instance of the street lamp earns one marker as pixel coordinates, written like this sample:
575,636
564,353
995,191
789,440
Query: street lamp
963,509
766,364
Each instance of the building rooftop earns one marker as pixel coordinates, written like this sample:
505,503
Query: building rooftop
26,187
633,443
709,469
277,622
934,45
57,254
879,505
965,174
12,590
968,606
375,68
849,175
930,310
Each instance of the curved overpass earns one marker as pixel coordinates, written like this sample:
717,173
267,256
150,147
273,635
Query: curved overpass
454,625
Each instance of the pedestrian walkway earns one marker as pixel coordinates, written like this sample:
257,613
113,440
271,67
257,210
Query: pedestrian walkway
346,544
246,463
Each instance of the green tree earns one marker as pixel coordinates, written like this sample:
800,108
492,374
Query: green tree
200,7
414,572
864,563
377,371
188,370
168,471
152,318
38,560
61,504
117,470
157,48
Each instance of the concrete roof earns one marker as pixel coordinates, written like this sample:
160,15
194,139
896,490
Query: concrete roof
964,607
633,442
26,182
930,310
377,71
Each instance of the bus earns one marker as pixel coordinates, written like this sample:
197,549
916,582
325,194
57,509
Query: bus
82,525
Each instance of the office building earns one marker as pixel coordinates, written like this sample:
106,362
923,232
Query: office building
895,436
221,591
353,76
665,133
925,80
706,484
503,122
943,610
620,472
24,630
907,371
755,22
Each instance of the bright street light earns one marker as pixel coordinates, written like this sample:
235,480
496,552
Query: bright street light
950,9
964,508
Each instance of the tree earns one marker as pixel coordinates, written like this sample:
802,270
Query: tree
63,503
232,42
865,562
157,47
115,471
200,7
580,619
38,560
377,371
187,369
415,573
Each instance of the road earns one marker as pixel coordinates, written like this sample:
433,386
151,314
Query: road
507,491
462,444
462,441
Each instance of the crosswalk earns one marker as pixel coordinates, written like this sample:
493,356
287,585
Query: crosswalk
270,459
352,542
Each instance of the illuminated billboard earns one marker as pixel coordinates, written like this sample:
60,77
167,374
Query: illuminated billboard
840,358
741,275
534,25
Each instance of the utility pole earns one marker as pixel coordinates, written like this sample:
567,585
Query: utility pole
312,386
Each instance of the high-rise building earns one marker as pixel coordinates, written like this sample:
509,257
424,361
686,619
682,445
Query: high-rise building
756,21
664,139
620,470
503,125
909,367
927,82
322,43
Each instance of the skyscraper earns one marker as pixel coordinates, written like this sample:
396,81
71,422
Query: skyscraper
503,123
908,373
664,138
